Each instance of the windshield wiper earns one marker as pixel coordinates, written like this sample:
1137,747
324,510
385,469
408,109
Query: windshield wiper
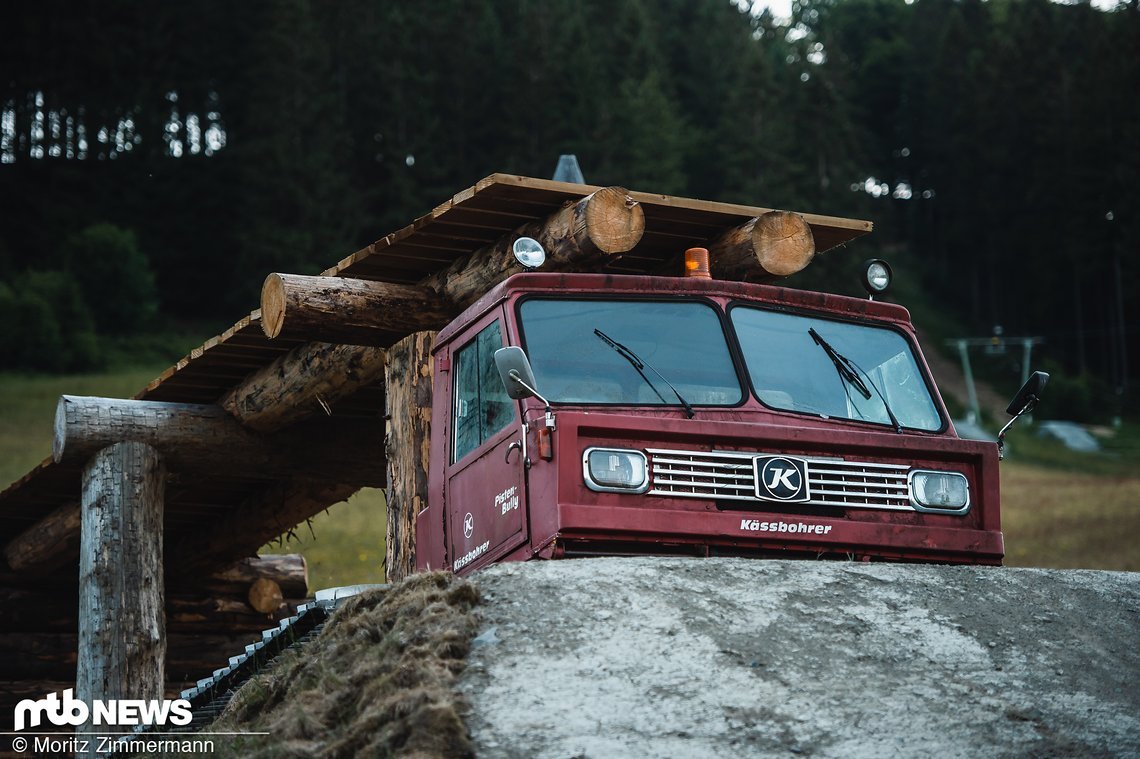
639,364
847,371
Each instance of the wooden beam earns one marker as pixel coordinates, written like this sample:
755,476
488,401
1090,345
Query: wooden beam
49,543
122,620
774,245
308,380
347,311
407,447
195,438
252,525
52,656
288,571
582,236
48,609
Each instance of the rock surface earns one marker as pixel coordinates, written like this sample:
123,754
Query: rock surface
668,657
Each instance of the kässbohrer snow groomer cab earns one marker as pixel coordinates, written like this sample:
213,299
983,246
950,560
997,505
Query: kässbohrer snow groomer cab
599,414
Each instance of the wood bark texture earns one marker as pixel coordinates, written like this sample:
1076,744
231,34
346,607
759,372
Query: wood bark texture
582,236
122,620
209,614
196,438
49,543
265,596
407,447
307,380
347,311
52,656
289,571
253,524
774,245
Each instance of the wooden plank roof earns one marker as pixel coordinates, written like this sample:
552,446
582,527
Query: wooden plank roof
475,217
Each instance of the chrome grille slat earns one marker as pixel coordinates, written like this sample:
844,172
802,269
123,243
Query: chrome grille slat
729,475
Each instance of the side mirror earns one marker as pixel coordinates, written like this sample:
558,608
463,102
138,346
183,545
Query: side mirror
516,374
1029,394
1025,401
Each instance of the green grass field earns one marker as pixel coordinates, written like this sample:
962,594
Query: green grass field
1059,509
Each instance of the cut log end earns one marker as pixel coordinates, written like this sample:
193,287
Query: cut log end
265,596
57,443
783,242
614,220
273,305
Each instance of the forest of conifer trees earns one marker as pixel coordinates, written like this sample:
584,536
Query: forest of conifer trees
175,153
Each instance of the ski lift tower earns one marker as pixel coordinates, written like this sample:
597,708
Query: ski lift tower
995,345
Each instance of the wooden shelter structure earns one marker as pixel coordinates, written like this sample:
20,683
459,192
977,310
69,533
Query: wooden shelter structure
293,409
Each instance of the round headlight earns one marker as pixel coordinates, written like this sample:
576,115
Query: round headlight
876,276
528,252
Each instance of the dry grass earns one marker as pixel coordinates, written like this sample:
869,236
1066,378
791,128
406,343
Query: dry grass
378,681
1066,519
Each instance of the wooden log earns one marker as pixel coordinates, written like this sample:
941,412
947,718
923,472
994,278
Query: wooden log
47,609
288,571
205,614
581,236
407,446
776,244
52,656
265,596
49,543
347,311
122,620
308,380
195,438
252,525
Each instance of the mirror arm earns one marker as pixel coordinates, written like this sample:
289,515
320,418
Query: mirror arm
515,376
1029,405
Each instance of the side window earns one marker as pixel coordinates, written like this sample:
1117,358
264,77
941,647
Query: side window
481,406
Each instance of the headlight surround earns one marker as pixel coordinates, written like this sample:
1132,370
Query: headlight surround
615,470
939,492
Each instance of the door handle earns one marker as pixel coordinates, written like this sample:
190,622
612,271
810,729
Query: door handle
516,445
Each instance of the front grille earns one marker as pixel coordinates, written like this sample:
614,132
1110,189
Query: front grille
727,475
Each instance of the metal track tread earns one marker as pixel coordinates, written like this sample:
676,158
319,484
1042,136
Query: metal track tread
211,695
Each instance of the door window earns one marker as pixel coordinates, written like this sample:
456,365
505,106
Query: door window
481,406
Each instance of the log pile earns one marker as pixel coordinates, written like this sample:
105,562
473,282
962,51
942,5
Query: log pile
39,641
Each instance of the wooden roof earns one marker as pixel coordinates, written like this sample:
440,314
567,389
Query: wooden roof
471,219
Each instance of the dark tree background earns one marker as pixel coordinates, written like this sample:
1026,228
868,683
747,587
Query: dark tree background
192,148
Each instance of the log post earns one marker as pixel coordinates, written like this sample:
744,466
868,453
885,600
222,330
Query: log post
122,623
407,447
776,244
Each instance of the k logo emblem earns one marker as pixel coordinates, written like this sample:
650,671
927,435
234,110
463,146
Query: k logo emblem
781,478
468,524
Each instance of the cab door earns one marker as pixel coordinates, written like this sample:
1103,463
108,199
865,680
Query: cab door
486,478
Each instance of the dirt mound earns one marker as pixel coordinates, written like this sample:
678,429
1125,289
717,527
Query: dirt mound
378,681
667,657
